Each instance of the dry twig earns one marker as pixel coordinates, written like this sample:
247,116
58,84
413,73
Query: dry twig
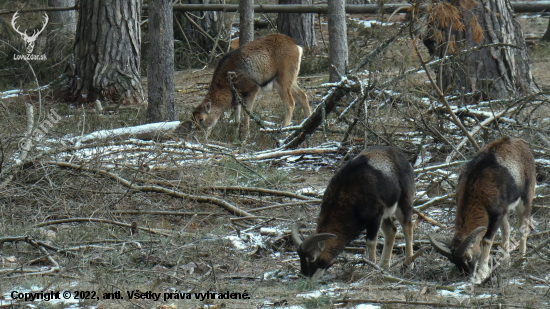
224,204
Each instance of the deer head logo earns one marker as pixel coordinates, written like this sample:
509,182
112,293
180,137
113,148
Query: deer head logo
29,40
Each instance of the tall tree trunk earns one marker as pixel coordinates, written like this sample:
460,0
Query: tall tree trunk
62,28
546,36
160,62
338,39
246,21
300,27
493,72
107,53
65,21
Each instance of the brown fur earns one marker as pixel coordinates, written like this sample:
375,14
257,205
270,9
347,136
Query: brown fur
274,58
500,174
361,196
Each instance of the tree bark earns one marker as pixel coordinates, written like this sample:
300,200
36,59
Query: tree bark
546,36
494,72
160,63
338,39
246,21
61,28
300,27
64,20
107,53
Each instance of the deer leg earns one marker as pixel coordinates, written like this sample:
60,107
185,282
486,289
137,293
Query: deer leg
482,270
372,239
482,267
284,89
404,216
408,232
301,97
524,217
505,230
249,99
389,230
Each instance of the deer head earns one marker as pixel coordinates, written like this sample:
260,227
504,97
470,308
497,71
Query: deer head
29,40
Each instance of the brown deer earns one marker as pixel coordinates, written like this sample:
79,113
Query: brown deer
262,63
362,195
499,179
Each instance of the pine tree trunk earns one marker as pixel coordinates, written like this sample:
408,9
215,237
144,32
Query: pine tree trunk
246,21
160,62
107,53
61,27
494,72
546,36
338,42
64,21
300,27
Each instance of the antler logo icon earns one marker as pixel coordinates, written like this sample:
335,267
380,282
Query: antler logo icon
29,40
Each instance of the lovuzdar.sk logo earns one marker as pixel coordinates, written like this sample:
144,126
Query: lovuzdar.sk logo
29,39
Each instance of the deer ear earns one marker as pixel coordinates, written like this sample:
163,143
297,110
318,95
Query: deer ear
321,245
207,107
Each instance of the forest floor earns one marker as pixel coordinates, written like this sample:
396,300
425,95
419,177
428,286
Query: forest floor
174,245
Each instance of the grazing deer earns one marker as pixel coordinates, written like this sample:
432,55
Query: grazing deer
271,60
362,195
29,40
499,179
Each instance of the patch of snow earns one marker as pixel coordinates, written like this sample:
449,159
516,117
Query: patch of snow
246,240
516,281
460,295
236,242
5,96
311,191
271,231
370,23
17,92
422,158
366,306
542,161
255,240
314,294
271,274
293,158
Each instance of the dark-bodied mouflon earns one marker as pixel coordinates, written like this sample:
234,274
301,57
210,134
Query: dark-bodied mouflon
499,179
362,195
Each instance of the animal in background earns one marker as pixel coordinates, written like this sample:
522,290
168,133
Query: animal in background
270,61
362,195
499,179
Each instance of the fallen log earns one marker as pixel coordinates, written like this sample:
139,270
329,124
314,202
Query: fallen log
310,125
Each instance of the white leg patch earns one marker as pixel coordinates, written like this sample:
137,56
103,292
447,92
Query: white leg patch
388,212
515,204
